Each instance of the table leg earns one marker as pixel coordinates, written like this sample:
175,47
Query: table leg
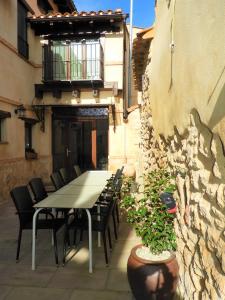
34,236
90,240
98,218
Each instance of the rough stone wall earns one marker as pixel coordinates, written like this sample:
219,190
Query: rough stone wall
193,149
198,156
16,172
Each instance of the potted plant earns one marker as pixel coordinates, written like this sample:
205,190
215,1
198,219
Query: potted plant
152,267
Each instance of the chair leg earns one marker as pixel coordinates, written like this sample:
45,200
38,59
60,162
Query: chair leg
65,242
114,224
74,236
105,247
117,212
109,237
81,235
18,244
55,247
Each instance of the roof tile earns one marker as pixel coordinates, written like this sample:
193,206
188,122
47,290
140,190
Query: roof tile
82,13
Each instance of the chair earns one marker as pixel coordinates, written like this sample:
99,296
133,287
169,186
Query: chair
57,180
77,170
58,183
38,189
24,206
64,175
101,226
39,192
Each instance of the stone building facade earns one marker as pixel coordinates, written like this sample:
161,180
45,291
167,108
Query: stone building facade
183,123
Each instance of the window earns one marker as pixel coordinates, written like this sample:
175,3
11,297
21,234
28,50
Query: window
3,116
73,60
2,130
28,136
22,30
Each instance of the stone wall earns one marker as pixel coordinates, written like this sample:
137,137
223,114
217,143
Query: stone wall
198,156
14,172
183,123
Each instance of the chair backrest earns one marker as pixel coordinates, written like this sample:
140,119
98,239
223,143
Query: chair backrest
23,203
57,180
64,175
116,175
38,189
106,217
77,170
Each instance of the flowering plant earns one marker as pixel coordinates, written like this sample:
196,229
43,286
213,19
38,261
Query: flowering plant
148,214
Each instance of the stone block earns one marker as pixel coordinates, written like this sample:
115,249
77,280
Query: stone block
220,197
204,208
218,214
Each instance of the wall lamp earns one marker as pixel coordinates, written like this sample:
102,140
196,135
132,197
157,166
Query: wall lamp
20,111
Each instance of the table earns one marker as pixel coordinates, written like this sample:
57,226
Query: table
82,192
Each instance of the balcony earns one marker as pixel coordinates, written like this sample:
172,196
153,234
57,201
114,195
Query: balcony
72,61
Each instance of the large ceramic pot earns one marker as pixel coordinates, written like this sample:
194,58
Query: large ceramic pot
152,280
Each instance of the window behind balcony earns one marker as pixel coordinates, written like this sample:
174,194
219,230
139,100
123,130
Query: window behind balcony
28,136
22,30
73,60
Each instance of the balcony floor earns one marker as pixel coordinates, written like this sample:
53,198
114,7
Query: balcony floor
18,281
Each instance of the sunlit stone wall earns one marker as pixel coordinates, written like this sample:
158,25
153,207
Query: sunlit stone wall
183,124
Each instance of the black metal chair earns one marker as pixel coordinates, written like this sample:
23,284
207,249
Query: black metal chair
58,184
24,206
77,170
102,225
39,192
65,176
38,189
57,180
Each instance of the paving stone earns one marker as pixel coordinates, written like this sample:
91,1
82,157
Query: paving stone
117,281
76,278
4,291
28,293
18,275
100,295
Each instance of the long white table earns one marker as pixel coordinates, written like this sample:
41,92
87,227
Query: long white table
82,192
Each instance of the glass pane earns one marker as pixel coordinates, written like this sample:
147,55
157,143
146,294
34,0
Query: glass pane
28,136
59,143
60,52
76,61
1,137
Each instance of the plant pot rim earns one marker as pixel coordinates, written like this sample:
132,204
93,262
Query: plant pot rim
147,261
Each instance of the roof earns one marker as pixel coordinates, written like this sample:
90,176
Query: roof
140,54
76,14
77,22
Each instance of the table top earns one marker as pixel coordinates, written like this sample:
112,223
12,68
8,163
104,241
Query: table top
82,192
92,178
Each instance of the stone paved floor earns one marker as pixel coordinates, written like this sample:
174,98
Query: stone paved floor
47,282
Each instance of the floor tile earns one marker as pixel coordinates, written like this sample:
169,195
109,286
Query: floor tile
117,281
4,291
28,293
100,295
68,278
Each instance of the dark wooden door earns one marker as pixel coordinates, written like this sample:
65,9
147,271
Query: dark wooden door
83,143
67,145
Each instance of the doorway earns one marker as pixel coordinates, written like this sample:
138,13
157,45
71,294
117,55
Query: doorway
79,140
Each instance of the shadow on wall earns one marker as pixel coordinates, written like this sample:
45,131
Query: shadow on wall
219,110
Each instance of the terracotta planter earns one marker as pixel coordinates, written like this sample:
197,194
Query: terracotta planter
152,280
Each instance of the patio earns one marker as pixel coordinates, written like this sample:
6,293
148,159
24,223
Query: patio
73,281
